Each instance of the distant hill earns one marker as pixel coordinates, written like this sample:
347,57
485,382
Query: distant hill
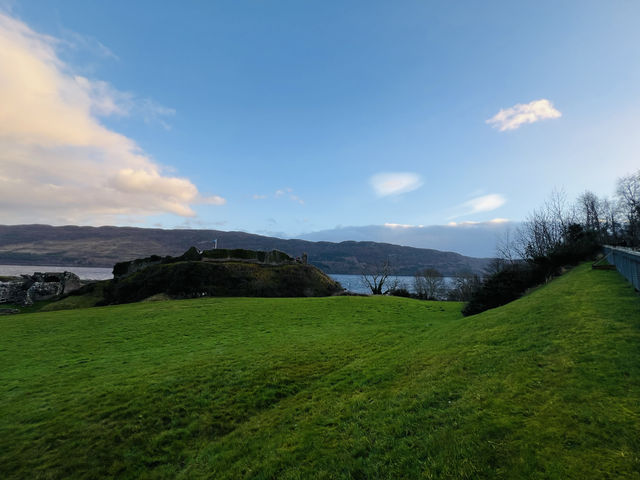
105,246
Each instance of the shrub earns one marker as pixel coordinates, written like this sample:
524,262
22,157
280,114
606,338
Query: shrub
513,280
400,292
503,287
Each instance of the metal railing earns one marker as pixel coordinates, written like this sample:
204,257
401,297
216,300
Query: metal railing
626,261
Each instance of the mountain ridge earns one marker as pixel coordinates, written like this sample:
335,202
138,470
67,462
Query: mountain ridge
73,245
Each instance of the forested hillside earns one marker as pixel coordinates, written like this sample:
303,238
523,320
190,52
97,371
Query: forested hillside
105,246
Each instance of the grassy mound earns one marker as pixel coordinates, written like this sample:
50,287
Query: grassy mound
341,387
225,279
88,296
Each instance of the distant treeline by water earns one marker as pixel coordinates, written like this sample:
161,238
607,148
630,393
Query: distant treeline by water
356,284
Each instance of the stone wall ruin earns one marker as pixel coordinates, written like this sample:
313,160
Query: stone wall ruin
39,286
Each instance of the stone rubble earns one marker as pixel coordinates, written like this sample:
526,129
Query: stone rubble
39,286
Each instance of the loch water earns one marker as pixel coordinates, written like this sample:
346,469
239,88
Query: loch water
85,273
353,283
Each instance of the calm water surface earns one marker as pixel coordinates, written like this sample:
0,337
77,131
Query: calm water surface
353,283
85,273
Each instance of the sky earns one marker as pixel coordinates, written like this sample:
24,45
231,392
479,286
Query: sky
321,120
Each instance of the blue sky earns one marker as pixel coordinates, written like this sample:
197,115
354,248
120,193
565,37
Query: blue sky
294,117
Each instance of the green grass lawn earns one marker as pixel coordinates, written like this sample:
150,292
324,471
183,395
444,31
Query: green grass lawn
342,387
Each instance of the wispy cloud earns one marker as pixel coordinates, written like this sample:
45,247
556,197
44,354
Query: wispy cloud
401,225
516,116
194,223
281,193
296,198
495,221
485,203
106,101
469,238
53,145
395,183
77,41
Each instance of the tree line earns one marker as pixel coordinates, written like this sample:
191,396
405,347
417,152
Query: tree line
428,284
558,234
613,221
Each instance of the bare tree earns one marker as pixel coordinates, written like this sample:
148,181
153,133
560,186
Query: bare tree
377,277
538,235
506,248
546,228
628,193
464,286
590,208
496,265
611,217
429,284
560,211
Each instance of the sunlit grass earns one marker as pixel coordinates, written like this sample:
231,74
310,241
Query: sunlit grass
546,387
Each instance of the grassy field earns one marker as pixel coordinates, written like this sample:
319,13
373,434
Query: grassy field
343,387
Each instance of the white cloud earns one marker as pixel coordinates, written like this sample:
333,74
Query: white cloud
513,117
401,225
210,199
395,183
495,221
58,163
485,203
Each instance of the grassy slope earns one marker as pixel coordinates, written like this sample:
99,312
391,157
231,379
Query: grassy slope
546,387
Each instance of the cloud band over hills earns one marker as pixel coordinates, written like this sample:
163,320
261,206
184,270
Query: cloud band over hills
475,239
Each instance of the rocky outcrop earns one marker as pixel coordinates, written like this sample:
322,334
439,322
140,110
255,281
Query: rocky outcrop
9,311
39,286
